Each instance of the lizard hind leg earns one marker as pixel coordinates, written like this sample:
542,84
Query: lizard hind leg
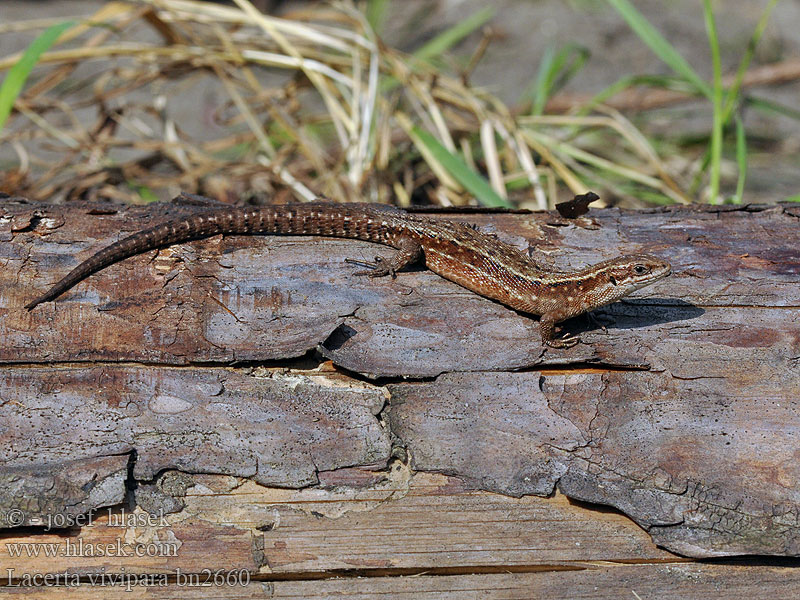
547,327
408,251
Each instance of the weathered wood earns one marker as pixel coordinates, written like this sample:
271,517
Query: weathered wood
683,415
423,537
690,582
279,429
706,464
251,299
595,582
30,491
404,524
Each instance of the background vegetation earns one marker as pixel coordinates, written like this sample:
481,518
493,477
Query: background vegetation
117,105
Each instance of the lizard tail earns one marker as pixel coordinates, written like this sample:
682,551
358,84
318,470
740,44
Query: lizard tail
343,220
177,230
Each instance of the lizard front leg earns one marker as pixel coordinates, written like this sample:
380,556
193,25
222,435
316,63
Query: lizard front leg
408,251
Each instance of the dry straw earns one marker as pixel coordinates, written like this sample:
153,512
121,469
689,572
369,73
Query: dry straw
144,99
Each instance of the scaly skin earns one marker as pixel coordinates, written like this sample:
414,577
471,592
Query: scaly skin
455,251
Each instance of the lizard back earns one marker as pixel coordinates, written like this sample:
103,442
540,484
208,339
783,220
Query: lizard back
447,246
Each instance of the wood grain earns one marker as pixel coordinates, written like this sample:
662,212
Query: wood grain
278,429
292,420
406,523
598,582
668,451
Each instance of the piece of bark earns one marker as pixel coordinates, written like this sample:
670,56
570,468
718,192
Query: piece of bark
704,461
55,495
278,429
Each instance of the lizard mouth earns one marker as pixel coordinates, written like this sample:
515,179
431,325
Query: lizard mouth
654,276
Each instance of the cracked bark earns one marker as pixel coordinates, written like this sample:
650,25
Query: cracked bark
683,415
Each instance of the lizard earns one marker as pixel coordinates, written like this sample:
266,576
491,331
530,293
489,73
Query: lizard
456,251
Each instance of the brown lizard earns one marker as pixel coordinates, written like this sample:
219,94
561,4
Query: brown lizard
456,251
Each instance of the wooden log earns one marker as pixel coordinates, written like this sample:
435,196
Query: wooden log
420,536
405,524
683,415
253,299
702,463
596,582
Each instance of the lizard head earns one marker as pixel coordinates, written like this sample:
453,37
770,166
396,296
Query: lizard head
618,277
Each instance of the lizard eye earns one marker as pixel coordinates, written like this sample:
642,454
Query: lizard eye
640,270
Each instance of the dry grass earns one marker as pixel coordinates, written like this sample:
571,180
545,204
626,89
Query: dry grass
145,99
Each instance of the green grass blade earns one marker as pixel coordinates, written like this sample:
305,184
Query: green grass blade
697,180
450,37
376,13
555,69
768,106
18,74
741,159
145,193
538,91
659,45
716,99
455,165
792,198
733,93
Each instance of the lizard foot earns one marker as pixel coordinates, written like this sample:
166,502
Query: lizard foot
566,341
376,269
